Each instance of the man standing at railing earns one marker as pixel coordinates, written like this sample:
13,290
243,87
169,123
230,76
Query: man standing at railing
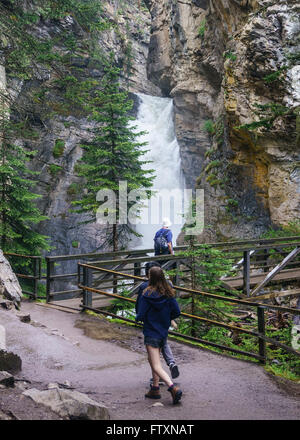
163,239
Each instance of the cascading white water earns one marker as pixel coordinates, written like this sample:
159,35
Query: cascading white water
155,116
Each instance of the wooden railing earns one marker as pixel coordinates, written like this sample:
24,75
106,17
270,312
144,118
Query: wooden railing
61,283
85,272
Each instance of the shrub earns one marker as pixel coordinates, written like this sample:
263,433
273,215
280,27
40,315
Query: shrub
59,147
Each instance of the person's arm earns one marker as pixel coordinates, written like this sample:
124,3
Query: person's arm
169,239
142,309
174,324
138,299
170,248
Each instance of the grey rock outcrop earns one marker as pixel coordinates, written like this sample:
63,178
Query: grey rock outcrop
230,63
6,379
69,404
57,182
10,362
9,284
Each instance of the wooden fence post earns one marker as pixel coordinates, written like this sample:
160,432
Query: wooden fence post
246,273
137,271
177,278
36,275
87,281
261,329
50,272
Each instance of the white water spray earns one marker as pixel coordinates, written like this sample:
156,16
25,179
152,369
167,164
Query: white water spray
155,116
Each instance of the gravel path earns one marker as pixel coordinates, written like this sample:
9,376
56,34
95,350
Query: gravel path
108,362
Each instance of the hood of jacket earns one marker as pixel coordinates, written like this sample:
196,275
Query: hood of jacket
158,302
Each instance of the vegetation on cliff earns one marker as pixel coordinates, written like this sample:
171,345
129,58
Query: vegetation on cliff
113,156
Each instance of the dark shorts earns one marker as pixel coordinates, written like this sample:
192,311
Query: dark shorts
156,343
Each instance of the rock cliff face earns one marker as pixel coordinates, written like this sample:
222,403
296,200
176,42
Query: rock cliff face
58,137
232,67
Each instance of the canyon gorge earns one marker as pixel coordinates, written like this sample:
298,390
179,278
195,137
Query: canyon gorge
231,68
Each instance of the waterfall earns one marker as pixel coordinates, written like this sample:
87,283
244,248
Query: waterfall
155,116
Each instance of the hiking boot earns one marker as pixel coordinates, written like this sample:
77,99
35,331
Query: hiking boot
153,393
174,371
176,394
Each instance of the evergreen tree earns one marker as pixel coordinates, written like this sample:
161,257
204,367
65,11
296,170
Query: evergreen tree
18,211
115,153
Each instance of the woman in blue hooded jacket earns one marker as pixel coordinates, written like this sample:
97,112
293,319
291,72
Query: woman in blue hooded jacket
157,307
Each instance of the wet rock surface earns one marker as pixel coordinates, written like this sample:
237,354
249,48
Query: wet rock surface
9,284
69,404
229,63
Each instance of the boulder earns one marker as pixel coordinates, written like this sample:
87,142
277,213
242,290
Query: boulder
6,304
4,416
9,284
10,362
24,318
7,379
69,404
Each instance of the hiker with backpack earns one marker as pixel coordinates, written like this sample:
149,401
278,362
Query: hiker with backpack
157,307
165,349
163,243
163,239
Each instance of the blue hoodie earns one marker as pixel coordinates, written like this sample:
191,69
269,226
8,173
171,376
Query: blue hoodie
157,311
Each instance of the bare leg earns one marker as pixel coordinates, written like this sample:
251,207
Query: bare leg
157,370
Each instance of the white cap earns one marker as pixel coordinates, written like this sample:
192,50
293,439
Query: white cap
166,222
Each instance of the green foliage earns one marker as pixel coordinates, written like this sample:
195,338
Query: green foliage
59,147
54,169
229,55
215,129
289,230
268,114
115,154
209,126
202,28
275,75
209,264
213,164
126,309
73,189
219,130
213,180
18,212
209,152
231,203
75,244
279,361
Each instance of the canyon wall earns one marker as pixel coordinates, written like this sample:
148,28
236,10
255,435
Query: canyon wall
58,135
232,67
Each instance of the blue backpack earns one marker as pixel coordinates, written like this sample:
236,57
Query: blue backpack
160,242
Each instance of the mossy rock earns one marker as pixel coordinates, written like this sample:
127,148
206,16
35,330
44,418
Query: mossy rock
59,148
54,169
73,189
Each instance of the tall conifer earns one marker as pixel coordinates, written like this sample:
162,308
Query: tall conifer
115,154
18,211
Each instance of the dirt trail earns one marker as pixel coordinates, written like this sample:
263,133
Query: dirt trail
108,362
